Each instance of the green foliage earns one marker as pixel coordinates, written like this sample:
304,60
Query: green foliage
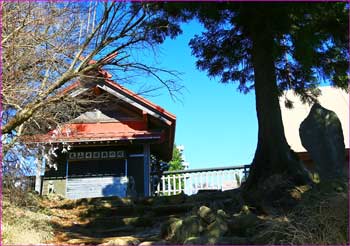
176,163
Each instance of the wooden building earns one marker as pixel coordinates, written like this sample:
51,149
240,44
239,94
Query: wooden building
106,151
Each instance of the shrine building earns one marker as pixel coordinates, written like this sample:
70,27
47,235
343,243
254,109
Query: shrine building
106,151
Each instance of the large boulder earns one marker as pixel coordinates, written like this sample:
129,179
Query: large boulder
322,136
206,214
178,230
190,227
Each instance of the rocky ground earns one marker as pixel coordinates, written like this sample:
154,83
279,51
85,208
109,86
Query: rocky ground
144,221
207,218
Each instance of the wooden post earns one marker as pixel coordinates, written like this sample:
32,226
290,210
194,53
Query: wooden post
168,185
39,168
126,167
163,185
146,169
67,165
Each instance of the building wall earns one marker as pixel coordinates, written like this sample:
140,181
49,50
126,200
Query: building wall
96,168
59,186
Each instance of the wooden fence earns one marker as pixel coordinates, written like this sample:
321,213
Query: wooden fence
192,181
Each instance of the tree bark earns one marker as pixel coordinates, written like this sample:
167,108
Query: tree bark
273,154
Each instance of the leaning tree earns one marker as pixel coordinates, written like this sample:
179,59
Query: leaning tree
46,46
271,47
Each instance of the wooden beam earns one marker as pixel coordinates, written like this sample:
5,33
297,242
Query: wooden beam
39,168
145,117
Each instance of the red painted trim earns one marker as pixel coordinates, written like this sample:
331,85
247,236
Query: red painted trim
70,88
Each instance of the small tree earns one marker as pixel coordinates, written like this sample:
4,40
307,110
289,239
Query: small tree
176,162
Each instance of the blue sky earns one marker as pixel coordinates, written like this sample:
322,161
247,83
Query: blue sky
216,124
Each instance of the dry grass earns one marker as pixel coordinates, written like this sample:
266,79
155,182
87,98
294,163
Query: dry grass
25,224
323,219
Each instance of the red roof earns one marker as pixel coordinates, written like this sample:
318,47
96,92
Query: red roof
94,132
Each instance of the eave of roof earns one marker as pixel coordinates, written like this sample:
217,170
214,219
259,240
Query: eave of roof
94,137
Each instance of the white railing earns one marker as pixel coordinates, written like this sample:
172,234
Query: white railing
191,181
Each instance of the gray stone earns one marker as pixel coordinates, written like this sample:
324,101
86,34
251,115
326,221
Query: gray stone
169,227
190,227
123,241
178,230
206,214
196,241
217,229
148,243
242,224
322,136
222,213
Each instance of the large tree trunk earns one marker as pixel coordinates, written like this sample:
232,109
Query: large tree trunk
273,154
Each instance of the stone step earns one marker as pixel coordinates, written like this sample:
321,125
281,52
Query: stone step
173,209
96,211
115,221
100,233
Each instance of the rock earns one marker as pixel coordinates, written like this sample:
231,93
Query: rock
75,241
242,224
206,214
123,241
322,136
138,221
217,229
222,213
168,228
196,241
178,230
147,243
190,227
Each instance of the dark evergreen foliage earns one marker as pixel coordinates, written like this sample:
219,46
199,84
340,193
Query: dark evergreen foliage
270,47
